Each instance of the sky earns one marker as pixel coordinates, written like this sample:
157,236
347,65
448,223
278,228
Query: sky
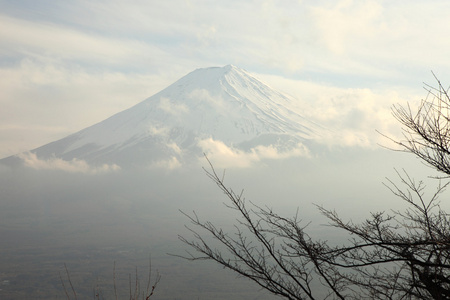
66,65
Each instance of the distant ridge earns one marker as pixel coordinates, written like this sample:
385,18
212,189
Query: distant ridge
224,104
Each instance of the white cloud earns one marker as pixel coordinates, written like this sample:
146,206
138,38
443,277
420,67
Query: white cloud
172,108
202,95
347,20
174,147
379,40
56,41
159,131
74,166
207,36
353,115
224,156
168,164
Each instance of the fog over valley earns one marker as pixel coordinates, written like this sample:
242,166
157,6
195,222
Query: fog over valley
90,221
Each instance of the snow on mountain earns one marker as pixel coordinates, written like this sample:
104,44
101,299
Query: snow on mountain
213,105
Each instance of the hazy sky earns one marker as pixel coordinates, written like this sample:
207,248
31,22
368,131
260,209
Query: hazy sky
65,65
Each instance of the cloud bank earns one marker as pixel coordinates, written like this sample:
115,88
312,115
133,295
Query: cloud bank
30,160
224,156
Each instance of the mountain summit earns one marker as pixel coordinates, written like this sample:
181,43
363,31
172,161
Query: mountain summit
226,105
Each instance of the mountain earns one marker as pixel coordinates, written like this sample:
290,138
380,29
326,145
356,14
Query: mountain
224,104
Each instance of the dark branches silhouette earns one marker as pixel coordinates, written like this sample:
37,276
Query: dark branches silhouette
426,132
391,255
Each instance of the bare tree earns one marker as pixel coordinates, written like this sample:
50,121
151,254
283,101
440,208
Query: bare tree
427,131
396,255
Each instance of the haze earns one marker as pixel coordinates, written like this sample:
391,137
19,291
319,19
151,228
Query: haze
68,65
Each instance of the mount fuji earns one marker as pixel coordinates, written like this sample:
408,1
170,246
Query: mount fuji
226,105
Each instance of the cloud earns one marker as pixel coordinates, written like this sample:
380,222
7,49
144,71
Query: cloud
60,42
169,164
353,115
172,108
175,148
207,36
378,40
224,156
74,166
159,131
203,95
357,115
345,20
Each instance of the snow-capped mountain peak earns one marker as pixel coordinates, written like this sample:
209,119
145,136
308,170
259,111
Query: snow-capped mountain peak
226,104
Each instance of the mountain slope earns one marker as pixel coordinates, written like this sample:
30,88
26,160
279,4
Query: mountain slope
222,104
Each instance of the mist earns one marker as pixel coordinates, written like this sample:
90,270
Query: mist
90,222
